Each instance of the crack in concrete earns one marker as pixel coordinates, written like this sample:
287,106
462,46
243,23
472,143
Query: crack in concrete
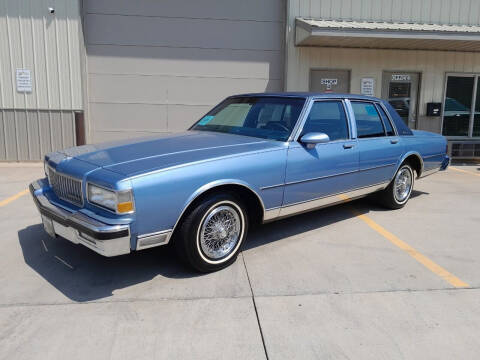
326,293
255,307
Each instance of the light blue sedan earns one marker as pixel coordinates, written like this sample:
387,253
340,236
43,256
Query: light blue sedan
253,158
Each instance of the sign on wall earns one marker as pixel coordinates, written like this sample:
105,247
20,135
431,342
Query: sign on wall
367,87
400,77
24,80
329,82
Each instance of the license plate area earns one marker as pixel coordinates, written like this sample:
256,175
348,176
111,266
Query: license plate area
48,226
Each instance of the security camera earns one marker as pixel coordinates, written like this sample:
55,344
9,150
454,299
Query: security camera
51,10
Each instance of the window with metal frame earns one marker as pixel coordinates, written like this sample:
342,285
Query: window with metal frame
327,117
458,105
368,121
386,121
461,106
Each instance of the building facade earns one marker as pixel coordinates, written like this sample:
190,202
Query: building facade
417,54
95,70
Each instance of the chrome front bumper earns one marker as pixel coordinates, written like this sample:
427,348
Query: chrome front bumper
107,240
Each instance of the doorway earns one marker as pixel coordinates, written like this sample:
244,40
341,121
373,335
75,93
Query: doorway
401,90
461,110
330,81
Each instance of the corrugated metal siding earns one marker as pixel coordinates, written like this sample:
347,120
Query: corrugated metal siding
158,66
461,12
50,47
29,134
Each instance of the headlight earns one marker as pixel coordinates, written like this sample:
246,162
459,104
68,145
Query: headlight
119,201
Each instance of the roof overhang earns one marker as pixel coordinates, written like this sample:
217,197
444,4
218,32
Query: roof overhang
376,35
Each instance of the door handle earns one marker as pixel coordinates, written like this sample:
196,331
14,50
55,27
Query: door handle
393,141
348,146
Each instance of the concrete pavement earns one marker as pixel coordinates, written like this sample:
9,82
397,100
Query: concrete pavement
318,285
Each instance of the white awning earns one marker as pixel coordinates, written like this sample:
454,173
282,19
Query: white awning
386,35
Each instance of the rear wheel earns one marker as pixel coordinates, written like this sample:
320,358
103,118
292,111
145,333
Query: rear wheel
211,235
398,192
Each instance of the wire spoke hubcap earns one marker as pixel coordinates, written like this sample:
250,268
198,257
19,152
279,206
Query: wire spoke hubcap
403,184
220,232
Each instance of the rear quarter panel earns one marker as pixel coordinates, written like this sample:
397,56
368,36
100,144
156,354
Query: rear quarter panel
430,146
161,197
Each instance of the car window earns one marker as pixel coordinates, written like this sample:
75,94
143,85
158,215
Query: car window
367,119
263,117
386,121
327,117
233,115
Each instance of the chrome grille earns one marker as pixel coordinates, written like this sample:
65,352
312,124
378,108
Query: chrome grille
66,187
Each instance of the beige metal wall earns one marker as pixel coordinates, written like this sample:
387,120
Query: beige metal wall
423,11
433,65
34,123
157,66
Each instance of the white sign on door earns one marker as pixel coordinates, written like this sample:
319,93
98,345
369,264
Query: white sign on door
24,80
329,82
401,77
367,87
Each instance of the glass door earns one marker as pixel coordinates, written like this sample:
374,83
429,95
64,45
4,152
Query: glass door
460,96
476,115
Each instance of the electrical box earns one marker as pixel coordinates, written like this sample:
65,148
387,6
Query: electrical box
434,109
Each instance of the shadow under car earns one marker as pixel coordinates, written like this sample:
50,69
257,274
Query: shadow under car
82,275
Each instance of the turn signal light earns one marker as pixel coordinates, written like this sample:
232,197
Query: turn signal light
125,207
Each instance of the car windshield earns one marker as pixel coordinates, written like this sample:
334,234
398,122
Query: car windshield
262,117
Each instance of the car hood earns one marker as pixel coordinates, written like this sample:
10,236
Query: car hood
136,156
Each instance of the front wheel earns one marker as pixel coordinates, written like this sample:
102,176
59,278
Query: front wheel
211,235
397,193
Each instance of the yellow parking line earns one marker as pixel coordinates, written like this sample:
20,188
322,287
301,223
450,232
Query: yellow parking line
13,198
464,171
422,259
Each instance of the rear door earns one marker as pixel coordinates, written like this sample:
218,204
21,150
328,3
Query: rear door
379,146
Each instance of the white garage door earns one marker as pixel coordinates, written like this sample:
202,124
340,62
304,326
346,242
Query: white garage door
157,66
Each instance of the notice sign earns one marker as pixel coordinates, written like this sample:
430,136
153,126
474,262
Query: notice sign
368,87
400,77
24,80
329,83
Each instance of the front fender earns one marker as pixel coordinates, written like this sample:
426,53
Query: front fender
216,183
213,184
161,198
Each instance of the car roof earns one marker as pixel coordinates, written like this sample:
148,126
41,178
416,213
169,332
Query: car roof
310,95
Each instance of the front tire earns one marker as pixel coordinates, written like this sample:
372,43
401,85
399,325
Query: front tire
212,233
398,192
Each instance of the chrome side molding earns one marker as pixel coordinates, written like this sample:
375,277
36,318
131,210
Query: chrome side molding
315,204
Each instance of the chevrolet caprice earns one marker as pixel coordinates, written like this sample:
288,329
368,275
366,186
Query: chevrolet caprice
253,158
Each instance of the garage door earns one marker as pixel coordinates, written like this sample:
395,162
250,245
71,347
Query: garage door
157,66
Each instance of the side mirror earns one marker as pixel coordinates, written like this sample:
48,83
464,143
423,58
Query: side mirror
314,138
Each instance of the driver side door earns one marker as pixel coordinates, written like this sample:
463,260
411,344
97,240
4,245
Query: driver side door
315,175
